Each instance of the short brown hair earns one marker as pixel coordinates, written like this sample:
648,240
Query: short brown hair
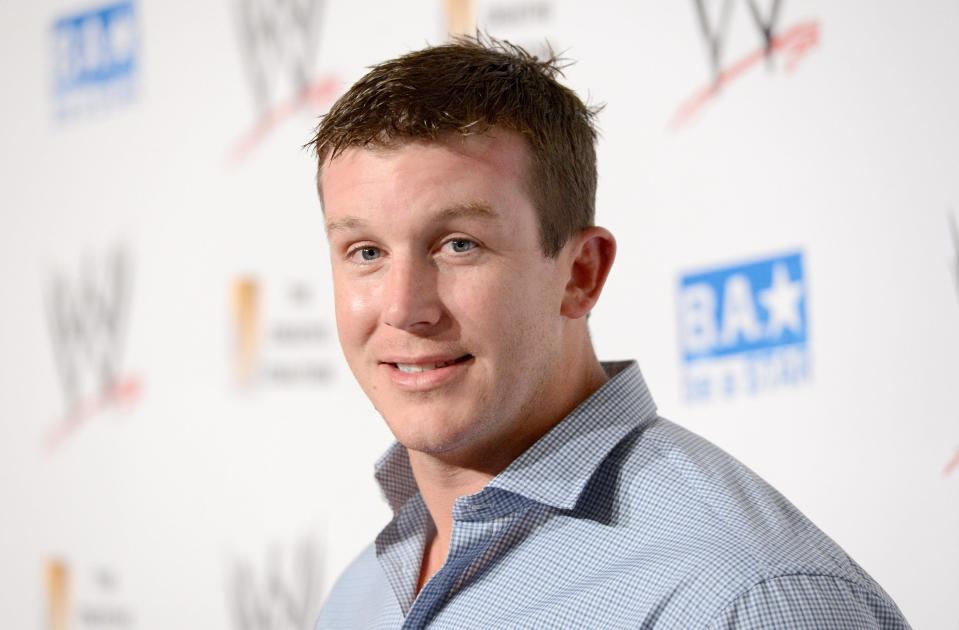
467,86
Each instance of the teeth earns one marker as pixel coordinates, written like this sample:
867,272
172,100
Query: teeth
410,368
414,368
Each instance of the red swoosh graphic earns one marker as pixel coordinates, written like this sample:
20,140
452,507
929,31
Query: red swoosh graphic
123,392
318,94
793,43
952,465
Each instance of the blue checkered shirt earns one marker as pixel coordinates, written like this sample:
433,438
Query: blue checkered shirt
616,518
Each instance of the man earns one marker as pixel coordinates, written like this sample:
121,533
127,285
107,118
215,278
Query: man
532,486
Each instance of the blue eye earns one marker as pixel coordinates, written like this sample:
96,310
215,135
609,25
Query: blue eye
367,254
461,245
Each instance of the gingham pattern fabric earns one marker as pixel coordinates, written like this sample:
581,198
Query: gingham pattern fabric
616,518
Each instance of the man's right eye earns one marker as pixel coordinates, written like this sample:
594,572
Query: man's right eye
365,254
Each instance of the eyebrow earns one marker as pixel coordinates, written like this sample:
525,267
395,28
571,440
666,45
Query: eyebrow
346,223
473,210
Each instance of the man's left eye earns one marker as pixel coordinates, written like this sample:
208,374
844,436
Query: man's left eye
460,245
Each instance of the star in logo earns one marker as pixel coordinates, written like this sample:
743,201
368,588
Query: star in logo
782,302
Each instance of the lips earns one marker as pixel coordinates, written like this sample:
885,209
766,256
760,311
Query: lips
418,374
411,367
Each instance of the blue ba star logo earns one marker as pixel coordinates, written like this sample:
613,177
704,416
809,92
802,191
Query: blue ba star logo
743,328
95,54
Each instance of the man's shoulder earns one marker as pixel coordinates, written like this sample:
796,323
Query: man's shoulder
681,477
800,600
739,545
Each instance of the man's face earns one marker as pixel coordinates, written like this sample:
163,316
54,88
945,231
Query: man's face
448,311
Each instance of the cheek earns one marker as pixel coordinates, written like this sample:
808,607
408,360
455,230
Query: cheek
504,307
478,300
356,309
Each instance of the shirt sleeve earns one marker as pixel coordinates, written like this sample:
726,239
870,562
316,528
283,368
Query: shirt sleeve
810,601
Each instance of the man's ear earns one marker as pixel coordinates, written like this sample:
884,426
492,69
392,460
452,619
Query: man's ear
590,258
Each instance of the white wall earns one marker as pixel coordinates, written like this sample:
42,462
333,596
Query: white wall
160,210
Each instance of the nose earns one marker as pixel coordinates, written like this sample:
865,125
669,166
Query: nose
412,301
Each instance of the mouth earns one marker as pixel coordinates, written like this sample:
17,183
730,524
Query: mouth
422,374
428,366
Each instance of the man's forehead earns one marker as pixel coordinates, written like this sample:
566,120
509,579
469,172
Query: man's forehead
466,142
494,143
473,210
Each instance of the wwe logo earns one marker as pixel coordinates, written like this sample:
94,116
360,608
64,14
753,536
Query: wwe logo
279,39
716,32
792,43
87,321
277,603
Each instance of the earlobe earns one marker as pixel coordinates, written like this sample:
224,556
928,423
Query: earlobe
592,254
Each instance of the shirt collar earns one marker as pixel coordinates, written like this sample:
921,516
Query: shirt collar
395,477
556,468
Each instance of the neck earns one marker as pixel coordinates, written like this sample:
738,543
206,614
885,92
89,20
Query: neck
443,478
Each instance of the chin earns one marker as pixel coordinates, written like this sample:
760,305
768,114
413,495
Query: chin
428,433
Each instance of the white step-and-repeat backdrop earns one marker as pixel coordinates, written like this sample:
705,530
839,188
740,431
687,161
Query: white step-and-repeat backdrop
182,445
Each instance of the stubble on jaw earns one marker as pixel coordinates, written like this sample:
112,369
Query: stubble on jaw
498,440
